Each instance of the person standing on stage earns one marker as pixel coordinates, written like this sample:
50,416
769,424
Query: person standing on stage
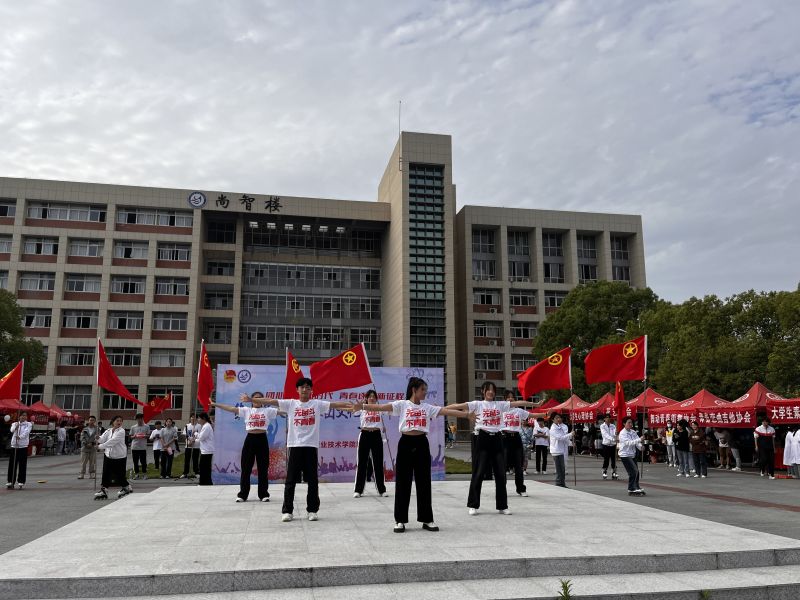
560,438
413,451
370,448
514,450
155,437
112,443
18,459
192,453
139,434
205,441
169,444
255,449
629,443
89,436
608,432
541,444
765,442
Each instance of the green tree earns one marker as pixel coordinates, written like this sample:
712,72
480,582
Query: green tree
14,346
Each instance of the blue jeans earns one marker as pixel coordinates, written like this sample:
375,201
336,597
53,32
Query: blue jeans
633,472
683,462
561,470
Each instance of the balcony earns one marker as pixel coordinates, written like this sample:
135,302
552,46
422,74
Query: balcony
491,309
488,341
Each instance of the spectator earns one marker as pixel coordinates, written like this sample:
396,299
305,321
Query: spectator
672,452
735,448
139,434
790,450
681,437
541,443
192,453
169,445
699,447
527,444
155,437
560,437
765,443
61,438
608,431
89,438
18,460
723,437
205,440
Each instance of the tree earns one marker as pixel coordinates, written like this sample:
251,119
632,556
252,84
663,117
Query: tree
14,346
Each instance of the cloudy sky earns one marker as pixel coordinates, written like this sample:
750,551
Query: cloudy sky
686,112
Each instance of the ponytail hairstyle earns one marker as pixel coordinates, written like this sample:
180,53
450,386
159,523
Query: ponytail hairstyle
414,383
204,416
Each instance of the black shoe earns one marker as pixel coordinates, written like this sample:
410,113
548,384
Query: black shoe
430,526
399,528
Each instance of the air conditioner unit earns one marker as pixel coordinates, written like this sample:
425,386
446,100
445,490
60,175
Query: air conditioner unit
493,311
493,342
513,343
480,375
511,311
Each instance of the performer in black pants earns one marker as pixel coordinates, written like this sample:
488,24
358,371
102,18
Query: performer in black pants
413,463
18,457
112,443
205,439
370,449
255,449
541,444
514,453
191,455
765,444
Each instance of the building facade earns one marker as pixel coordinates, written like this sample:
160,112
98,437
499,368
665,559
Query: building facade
152,271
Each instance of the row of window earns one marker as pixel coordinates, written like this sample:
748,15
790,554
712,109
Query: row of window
87,319
83,356
494,329
317,237
518,242
281,274
495,362
120,284
553,272
79,397
515,297
278,337
331,307
96,213
88,247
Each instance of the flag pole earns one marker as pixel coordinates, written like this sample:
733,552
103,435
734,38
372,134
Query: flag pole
644,418
383,425
14,459
572,411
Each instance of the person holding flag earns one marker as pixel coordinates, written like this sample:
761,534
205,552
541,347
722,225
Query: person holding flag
629,443
370,444
112,443
18,461
608,432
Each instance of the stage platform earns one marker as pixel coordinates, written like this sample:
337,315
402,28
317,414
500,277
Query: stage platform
190,540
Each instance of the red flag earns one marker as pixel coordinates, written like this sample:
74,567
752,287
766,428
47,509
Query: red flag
618,362
552,373
205,379
156,406
293,373
11,383
619,405
348,370
107,378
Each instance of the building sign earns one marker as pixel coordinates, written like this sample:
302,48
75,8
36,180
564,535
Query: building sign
272,204
197,199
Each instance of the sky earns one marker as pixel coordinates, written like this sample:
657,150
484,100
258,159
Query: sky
686,112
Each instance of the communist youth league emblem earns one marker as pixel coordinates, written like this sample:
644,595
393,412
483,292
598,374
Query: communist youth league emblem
630,350
295,366
349,358
554,359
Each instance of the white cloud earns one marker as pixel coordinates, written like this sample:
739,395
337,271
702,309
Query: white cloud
685,112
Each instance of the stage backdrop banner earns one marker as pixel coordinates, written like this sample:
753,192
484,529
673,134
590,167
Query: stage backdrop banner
338,439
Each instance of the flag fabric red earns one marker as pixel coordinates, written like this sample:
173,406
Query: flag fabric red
619,404
11,383
293,373
552,373
156,406
350,369
618,362
205,379
107,378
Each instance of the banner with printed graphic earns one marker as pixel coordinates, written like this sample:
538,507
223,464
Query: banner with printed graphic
338,430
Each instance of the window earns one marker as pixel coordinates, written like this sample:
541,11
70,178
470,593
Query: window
522,298
175,252
37,282
40,245
169,321
124,284
587,246
86,247
488,362
483,296
221,232
518,243
219,268
554,299
521,363
256,274
5,244
483,241
8,208
587,273
218,300
114,402
490,329
151,216
619,248
54,211
32,392
69,356
79,319
124,357
4,280
167,358
125,320
37,317
551,244
82,283
553,273
519,271
172,286
161,392
73,397
128,249
621,273
523,331
218,332
483,270
370,336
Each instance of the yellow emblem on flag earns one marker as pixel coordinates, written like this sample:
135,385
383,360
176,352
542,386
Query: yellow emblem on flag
630,350
555,359
295,365
349,358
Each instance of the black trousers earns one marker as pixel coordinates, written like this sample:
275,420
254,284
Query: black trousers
205,469
609,455
370,444
302,463
139,458
413,465
114,472
766,460
489,453
157,458
515,458
191,455
629,463
255,450
166,463
473,446
541,457
17,465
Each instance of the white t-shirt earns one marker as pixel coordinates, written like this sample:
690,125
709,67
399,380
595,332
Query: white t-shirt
514,418
414,417
370,419
489,414
541,441
257,418
155,435
559,439
304,419
21,434
62,434
206,439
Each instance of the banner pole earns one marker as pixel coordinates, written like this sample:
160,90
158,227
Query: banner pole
574,444
644,425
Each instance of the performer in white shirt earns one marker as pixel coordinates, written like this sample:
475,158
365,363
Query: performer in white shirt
370,446
413,451
205,440
541,444
191,455
560,440
513,422
629,443
155,437
765,443
112,443
608,432
18,461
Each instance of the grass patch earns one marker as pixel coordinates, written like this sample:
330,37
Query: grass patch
153,473
454,466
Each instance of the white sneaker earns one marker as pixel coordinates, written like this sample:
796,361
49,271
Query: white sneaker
385,495
524,494
605,475
9,485
313,517
524,472
544,472
286,517
22,485
735,469
771,477
687,475
696,475
761,474
703,476
680,474
238,499
356,495
265,499
505,511
473,512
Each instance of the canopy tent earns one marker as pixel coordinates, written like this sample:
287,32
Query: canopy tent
574,402
648,399
605,405
697,408
35,414
10,405
741,412
549,403
54,413
783,411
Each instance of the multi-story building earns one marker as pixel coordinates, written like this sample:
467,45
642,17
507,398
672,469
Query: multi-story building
153,271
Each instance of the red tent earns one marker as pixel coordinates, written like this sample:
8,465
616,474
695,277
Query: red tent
781,411
695,408
649,399
741,413
573,403
36,414
10,405
59,414
549,403
605,405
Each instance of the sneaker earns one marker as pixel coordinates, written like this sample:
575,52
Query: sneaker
356,495
687,475
524,472
399,528
703,476
680,474
430,526
385,495
473,512
538,472
771,477
80,476
735,469
721,467
124,492
286,517
265,499
238,499
605,475
182,477
696,475
9,485
523,494
544,472
504,511
761,474
22,485
313,517
640,491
